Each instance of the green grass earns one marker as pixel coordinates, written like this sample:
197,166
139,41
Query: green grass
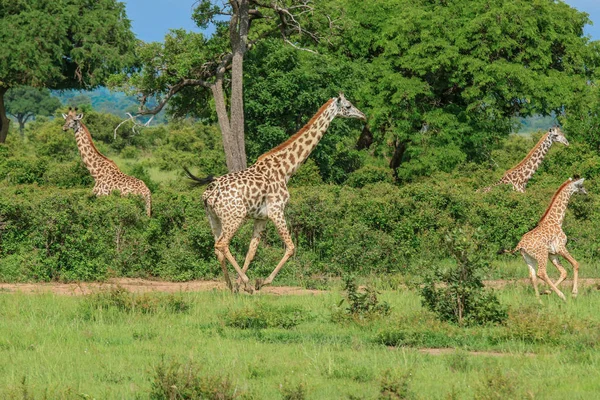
73,347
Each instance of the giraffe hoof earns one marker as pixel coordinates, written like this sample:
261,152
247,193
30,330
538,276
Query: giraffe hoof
248,288
546,292
574,294
259,284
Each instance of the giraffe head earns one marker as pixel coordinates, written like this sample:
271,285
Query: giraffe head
577,186
345,109
557,135
72,119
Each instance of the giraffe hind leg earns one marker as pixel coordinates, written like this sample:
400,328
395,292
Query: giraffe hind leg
215,225
532,264
222,245
259,227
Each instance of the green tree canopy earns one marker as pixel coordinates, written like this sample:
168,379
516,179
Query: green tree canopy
25,102
445,77
195,74
61,44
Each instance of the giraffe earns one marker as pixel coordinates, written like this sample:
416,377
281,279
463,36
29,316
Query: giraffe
105,172
260,192
547,239
520,174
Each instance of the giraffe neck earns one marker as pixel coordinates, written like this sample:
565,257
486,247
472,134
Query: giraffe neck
91,157
555,213
532,161
288,156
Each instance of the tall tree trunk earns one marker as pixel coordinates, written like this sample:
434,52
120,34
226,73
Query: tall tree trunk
239,27
4,121
234,161
398,154
365,140
22,127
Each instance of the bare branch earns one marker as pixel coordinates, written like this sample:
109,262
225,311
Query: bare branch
172,91
132,118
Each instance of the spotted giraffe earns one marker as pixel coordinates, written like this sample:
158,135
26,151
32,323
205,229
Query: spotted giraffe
105,172
547,239
260,192
520,174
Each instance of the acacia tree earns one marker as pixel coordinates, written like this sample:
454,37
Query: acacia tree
445,78
25,102
61,44
189,69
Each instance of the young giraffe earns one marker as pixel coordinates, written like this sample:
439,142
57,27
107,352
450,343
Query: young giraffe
105,172
520,174
260,191
547,239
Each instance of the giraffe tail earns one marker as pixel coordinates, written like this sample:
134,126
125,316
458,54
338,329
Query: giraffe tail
506,251
198,181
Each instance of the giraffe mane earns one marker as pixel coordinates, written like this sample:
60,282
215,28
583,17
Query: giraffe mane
528,156
559,191
296,135
87,132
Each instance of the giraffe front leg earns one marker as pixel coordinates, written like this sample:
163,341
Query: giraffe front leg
560,268
575,265
279,220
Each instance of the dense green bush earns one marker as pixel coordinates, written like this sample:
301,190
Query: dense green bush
53,228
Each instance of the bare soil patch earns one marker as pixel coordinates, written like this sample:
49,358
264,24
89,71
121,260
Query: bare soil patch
137,285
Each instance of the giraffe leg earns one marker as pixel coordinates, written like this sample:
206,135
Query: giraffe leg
259,227
222,245
532,264
215,225
575,265
542,260
560,268
279,220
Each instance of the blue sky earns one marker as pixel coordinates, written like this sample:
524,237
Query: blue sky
152,19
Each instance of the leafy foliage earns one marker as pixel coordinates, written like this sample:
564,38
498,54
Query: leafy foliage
444,80
26,102
174,380
457,294
362,305
80,46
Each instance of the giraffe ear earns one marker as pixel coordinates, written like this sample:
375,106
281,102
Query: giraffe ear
79,116
64,116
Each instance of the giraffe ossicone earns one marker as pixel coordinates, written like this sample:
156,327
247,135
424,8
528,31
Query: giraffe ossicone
106,174
547,240
260,192
520,174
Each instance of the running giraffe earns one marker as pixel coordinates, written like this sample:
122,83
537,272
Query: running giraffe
520,174
105,172
547,239
260,191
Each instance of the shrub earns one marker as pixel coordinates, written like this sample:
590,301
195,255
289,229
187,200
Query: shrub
362,305
395,388
187,381
457,294
293,392
262,316
120,299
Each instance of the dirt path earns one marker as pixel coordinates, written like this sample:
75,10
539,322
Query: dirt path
138,285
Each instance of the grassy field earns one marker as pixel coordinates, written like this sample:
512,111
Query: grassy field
118,345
